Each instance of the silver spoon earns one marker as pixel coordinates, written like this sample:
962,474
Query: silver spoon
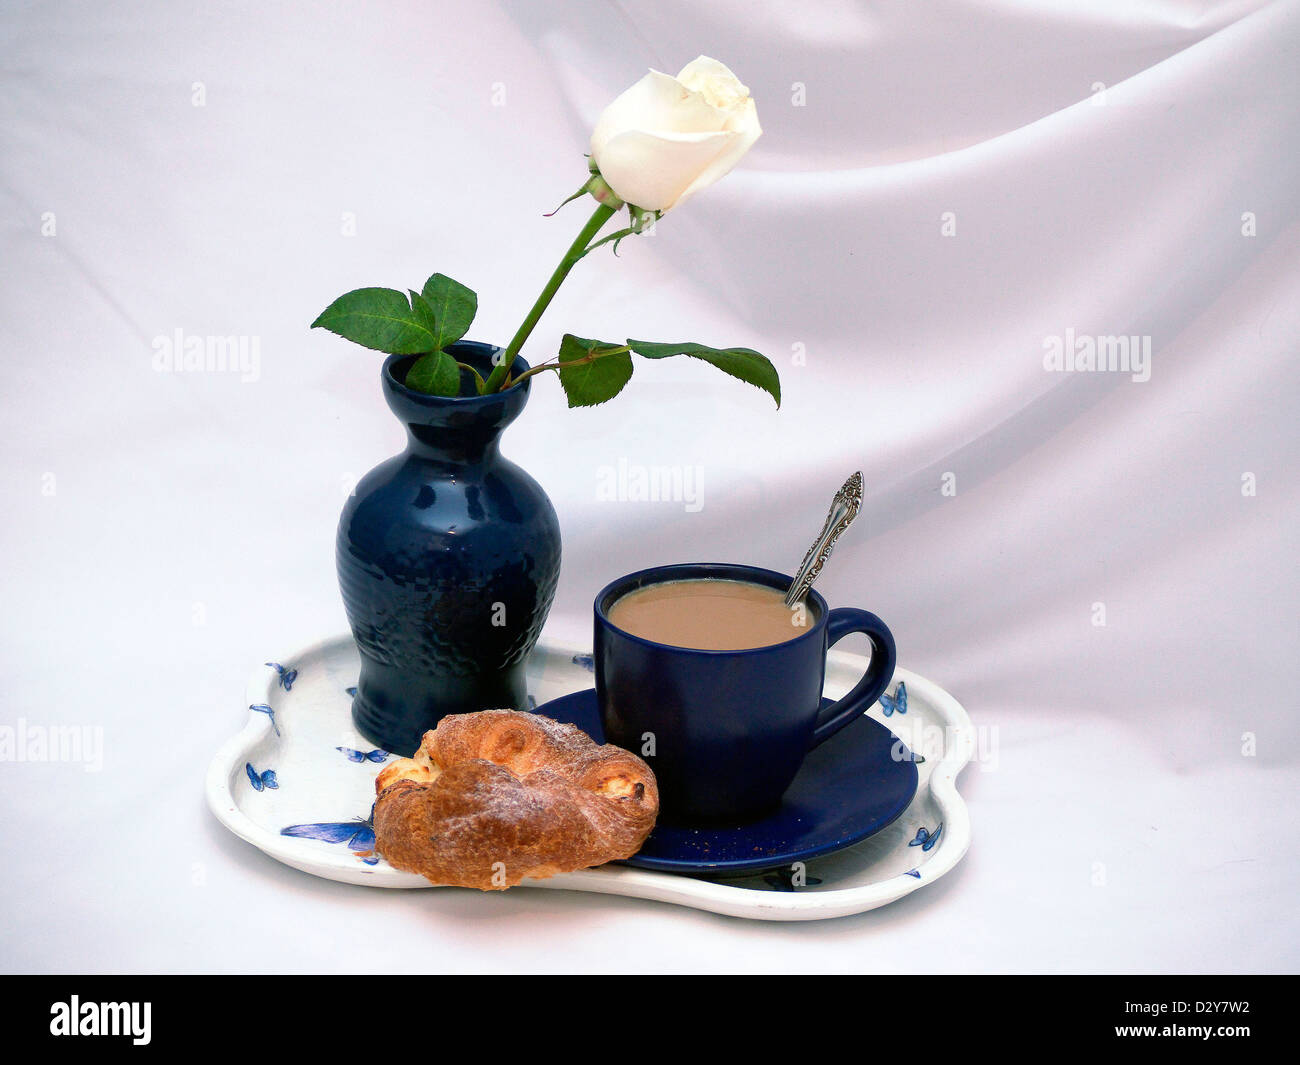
844,508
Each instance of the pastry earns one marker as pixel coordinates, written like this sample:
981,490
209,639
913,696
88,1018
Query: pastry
496,796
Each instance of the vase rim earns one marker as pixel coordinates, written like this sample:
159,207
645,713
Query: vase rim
520,365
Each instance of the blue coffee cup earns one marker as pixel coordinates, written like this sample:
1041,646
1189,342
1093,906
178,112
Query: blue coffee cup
726,731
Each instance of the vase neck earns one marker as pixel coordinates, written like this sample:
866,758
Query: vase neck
455,431
474,445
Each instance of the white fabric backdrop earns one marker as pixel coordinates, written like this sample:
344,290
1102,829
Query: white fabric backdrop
1102,163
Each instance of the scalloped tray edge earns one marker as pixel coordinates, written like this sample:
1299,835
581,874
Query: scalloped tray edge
672,888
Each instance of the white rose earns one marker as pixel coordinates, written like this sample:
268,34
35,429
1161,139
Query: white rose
666,138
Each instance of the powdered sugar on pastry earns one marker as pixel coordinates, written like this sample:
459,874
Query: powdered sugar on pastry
497,796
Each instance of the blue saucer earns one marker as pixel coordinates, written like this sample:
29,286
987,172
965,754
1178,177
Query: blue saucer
848,789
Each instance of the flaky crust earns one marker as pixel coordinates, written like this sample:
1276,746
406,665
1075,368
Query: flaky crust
496,796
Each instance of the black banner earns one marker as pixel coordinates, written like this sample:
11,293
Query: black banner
256,1014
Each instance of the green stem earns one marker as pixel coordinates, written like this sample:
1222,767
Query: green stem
576,251
478,377
557,365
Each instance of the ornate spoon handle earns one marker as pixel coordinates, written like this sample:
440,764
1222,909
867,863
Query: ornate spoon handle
845,507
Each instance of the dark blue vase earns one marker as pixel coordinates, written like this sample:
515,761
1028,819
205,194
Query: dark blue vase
448,556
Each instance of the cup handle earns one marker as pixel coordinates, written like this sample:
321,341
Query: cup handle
840,622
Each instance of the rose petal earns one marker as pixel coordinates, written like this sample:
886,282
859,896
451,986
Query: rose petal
656,102
747,132
720,86
653,170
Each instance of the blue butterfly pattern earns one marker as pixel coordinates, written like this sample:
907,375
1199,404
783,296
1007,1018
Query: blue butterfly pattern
914,872
262,708
363,756
897,701
351,691
925,839
587,662
358,834
287,676
261,781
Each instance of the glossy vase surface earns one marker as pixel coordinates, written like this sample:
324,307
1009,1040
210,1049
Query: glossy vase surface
448,556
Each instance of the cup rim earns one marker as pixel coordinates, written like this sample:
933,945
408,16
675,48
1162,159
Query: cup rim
630,582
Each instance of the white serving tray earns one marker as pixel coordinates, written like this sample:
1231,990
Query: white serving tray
314,782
